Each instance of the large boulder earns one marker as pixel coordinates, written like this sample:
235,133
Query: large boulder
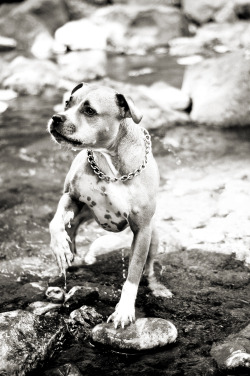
30,76
219,89
144,334
122,28
26,340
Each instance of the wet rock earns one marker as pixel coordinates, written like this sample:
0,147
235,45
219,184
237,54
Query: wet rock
67,369
78,296
30,76
234,351
55,294
27,340
145,333
82,321
218,93
83,66
40,308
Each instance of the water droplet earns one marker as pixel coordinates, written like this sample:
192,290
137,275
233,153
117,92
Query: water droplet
123,265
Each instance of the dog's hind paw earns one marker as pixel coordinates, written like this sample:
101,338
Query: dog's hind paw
158,289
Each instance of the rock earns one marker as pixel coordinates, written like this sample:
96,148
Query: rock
86,316
81,35
136,29
122,28
3,107
232,35
82,321
67,369
78,296
52,14
7,95
167,96
144,334
203,10
40,308
219,94
43,46
27,340
30,76
83,66
55,294
234,351
7,44
23,28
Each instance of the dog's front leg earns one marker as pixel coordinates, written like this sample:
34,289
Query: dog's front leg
125,309
66,211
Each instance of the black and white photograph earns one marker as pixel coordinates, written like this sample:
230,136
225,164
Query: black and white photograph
125,188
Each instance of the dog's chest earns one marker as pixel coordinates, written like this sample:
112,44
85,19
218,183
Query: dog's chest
108,201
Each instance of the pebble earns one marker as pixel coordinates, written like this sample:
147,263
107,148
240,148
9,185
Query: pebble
144,334
55,294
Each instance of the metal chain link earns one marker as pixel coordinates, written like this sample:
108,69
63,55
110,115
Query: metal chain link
130,175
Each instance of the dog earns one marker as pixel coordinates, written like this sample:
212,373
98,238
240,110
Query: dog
114,179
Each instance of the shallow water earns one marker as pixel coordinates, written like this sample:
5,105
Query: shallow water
203,204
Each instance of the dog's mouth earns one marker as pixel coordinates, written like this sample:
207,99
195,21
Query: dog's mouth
59,137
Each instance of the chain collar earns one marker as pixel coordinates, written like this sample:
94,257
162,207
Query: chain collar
101,175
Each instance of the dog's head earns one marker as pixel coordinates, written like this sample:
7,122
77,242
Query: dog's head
92,117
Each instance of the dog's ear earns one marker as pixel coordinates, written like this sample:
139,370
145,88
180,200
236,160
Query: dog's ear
130,110
78,87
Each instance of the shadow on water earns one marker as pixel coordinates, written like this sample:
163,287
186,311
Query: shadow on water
204,309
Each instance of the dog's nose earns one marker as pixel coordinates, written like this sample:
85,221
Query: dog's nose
57,118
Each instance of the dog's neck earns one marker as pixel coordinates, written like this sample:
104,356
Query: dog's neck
125,153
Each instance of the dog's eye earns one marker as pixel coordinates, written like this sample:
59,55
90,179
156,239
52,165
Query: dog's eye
89,111
66,104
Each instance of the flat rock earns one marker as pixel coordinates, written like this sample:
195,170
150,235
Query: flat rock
67,369
144,334
26,340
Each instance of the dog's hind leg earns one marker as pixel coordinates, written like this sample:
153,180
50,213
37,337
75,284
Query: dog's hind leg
157,288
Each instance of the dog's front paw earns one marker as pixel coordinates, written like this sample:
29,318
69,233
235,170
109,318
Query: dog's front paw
61,249
123,315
